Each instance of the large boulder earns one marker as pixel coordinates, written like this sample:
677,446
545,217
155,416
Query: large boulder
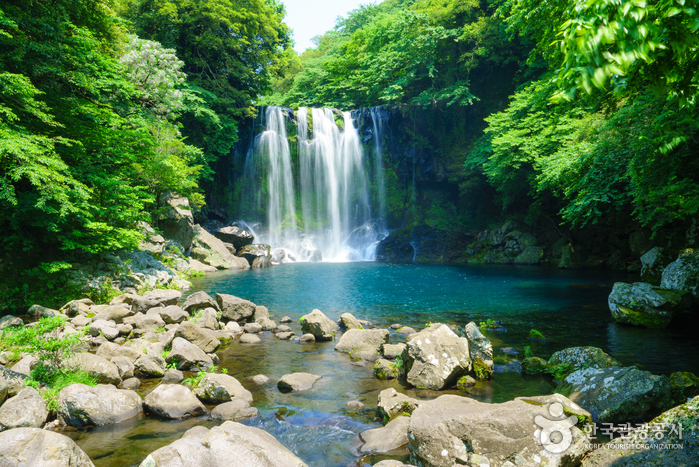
173,314
388,438
198,301
322,327
257,255
392,404
235,236
682,275
164,297
176,220
459,430
583,357
234,410
82,405
200,447
234,308
480,350
212,251
645,305
173,401
618,394
653,265
25,410
12,382
115,313
101,369
530,255
219,388
362,343
186,355
659,443
435,358
197,336
348,321
297,382
150,366
34,447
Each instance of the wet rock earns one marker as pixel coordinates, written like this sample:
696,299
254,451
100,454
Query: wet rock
173,401
286,319
530,255
388,438
260,379
392,351
125,366
266,324
362,343
322,327
460,430
219,388
393,404
25,410
235,236
234,308
405,330
534,365
392,463
199,300
355,406
481,352
583,357
197,336
249,339
618,394
150,366
297,382
40,448
655,444
654,263
81,405
683,385
187,355
682,275
436,358
172,376
257,255
260,312
100,368
645,305
384,369
234,410
285,335
348,321
234,327
465,382
252,328
200,447
307,339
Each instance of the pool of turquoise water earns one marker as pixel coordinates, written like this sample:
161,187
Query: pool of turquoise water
568,307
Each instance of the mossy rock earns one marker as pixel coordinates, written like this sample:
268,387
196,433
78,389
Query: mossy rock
534,365
465,383
482,370
683,385
535,335
385,370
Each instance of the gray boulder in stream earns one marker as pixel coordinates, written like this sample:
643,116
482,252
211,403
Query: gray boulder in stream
481,352
363,344
173,401
219,388
230,444
258,255
34,447
25,410
435,358
645,305
453,430
322,327
81,405
618,394
187,355
235,308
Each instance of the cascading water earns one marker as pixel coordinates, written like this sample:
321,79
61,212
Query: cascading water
329,180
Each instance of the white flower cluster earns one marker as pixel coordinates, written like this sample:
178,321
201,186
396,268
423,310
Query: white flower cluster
156,72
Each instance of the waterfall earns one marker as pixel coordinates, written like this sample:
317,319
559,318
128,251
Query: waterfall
329,180
377,124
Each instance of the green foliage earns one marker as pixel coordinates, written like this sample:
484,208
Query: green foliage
560,371
42,340
193,381
488,324
49,381
536,335
528,352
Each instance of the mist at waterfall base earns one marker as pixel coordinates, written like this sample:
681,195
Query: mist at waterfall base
326,204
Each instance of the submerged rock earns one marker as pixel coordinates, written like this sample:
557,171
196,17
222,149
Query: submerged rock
40,448
200,447
388,438
459,430
322,327
363,344
481,352
618,394
435,358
